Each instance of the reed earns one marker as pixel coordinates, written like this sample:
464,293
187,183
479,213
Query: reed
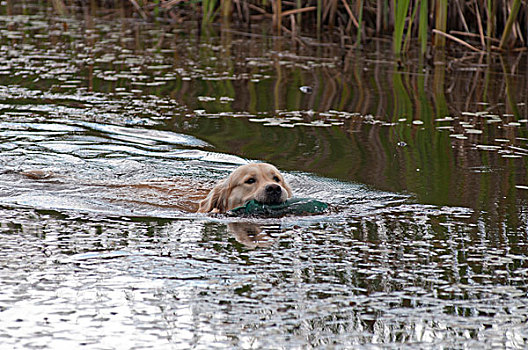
298,17
208,11
400,13
490,27
360,21
510,23
441,21
409,29
227,7
473,24
319,16
277,15
423,25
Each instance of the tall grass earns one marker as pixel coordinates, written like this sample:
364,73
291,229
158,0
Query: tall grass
208,10
423,25
400,16
482,25
510,23
441,21
360,20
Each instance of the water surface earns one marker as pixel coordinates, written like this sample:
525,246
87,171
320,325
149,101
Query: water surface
112,130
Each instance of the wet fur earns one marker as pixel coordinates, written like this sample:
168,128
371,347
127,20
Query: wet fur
234,191
216,200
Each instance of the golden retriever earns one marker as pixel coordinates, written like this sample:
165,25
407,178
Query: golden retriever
258,181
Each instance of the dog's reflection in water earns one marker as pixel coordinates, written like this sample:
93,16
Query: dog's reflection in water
252,235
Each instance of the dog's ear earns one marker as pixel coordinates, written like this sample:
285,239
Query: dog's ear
216,200
287,188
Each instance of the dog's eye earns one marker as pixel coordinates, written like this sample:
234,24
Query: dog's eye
250,181
276,179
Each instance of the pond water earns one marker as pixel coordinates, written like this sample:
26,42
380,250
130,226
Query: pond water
113,129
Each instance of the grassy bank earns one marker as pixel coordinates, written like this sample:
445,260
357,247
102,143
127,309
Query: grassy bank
480,25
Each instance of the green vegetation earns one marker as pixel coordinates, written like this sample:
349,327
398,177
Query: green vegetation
490,25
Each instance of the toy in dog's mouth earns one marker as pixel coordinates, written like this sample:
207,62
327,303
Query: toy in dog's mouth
292,206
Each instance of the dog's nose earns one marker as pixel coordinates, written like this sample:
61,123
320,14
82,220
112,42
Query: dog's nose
273,190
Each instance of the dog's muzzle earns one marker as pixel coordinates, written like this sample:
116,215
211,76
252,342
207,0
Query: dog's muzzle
273,194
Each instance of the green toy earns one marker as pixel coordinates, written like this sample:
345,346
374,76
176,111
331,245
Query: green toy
293,206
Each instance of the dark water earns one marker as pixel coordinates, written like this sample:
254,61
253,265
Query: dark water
112,129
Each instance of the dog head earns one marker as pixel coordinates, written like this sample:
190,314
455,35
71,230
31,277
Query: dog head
259,181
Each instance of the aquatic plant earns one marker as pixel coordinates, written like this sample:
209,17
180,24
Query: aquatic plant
485,25
208,10
400,16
